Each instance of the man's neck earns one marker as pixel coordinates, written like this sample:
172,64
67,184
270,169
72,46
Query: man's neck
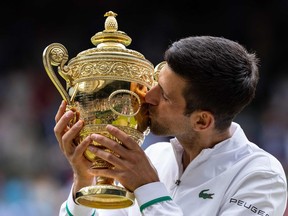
194,147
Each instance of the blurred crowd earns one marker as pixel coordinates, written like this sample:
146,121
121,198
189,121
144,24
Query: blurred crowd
34,175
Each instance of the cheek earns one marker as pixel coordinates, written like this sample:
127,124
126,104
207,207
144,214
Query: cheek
166,113
173,114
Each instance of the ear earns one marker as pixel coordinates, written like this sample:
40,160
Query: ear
203,120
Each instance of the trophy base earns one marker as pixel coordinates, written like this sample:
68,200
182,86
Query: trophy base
104,197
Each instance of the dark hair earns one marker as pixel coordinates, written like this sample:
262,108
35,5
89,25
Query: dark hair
221,75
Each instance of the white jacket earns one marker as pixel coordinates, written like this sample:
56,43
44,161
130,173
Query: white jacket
235,177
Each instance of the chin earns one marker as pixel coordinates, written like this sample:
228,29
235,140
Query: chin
143,124
159,129
155,129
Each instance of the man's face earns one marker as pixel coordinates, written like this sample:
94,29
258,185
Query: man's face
167,104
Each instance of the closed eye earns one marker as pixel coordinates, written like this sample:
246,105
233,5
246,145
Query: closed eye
164,96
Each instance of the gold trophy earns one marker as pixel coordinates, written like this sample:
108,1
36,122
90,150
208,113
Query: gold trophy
105,85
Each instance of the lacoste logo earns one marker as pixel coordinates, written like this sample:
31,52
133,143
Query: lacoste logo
205,195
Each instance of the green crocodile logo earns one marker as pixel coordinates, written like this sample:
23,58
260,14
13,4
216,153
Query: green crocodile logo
205,195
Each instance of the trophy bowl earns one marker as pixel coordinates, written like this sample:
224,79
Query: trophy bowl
104,85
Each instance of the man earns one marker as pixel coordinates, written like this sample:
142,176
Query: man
210,167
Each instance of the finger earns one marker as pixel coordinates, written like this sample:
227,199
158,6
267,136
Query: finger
108,173
61,125
61,110
127,141
61,129
79,150
107,155
70,135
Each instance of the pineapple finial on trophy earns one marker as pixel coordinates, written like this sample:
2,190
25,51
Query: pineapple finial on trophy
111,36
111,24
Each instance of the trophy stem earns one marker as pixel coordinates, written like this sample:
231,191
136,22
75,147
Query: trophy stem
104,180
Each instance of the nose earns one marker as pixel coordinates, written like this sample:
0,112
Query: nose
151,96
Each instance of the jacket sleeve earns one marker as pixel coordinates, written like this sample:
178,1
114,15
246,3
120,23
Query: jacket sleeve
258,193
154,199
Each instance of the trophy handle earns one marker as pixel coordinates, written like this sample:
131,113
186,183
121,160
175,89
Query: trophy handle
56,55
157,70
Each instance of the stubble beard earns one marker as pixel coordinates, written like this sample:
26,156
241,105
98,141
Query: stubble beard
158,128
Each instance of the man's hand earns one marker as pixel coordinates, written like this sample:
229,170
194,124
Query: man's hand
132,168
66,134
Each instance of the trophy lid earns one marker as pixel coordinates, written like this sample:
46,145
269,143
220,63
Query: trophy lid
109,60
111,33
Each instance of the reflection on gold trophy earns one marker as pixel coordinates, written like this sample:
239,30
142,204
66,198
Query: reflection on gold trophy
105,85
